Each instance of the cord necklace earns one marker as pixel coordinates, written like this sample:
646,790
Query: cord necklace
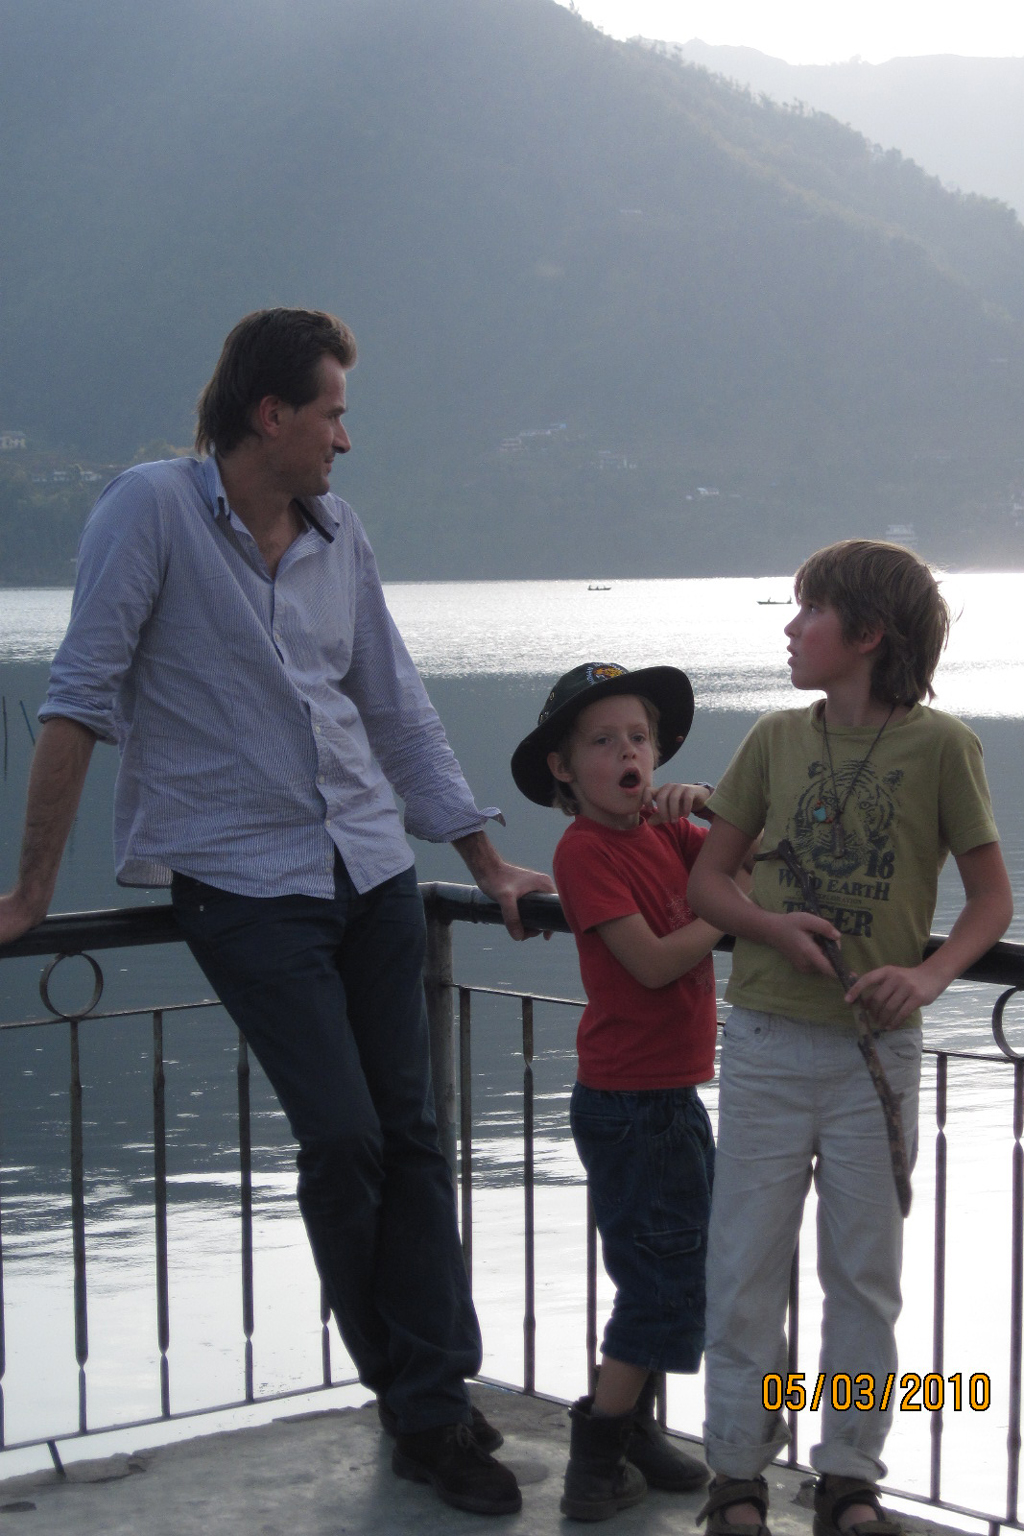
820,812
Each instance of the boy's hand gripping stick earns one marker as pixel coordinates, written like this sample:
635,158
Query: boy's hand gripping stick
865,1036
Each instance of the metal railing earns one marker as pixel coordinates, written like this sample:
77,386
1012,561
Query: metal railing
450,1008
79,934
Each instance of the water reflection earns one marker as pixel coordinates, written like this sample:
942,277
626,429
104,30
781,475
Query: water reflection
714,627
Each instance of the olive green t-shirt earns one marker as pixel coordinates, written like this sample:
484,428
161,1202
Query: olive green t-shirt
921,794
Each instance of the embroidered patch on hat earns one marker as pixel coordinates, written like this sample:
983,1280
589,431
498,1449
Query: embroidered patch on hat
576,682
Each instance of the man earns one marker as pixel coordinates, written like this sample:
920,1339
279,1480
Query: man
229,632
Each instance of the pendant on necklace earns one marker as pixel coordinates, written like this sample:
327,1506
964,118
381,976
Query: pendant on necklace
820,813
838,840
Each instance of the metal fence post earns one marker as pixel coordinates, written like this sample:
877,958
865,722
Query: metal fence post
437,984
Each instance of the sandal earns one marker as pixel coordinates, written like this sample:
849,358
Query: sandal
723,1494
834,1493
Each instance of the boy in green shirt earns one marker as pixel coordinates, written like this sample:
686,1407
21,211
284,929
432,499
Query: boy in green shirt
872,789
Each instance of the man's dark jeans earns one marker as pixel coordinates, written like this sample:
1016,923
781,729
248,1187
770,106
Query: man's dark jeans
329,996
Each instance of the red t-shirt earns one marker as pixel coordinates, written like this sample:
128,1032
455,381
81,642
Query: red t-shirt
631,1036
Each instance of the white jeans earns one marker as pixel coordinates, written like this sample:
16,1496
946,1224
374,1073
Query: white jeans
796,1100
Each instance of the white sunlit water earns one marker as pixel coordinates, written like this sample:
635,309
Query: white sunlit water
729,639
726,632
32,622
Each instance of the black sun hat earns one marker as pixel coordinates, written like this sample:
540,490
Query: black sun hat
667,688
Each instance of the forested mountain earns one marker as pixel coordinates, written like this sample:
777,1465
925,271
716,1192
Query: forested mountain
613,315
962,119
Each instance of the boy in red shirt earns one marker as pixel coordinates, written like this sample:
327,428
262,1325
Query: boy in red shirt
646,1038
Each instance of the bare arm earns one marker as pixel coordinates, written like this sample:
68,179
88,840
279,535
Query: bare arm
504,882
655,961
715,893
54,788
894,992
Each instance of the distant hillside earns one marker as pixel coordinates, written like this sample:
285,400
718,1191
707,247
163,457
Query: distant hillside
961,119
613,315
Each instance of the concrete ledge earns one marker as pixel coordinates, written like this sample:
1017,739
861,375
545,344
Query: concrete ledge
329,1474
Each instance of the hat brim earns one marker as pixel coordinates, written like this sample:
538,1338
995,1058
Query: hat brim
668,689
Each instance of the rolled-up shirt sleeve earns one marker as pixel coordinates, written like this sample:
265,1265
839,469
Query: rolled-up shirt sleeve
121,558
402,725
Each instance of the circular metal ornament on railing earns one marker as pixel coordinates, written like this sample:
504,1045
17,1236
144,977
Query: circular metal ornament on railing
97,991
997,1024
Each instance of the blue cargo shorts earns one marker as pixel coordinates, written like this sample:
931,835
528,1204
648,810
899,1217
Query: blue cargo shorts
650,1158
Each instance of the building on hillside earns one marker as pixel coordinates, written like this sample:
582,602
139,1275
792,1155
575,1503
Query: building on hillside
11,439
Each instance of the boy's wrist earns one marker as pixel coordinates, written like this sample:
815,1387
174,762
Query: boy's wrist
939,970
702,809
774,927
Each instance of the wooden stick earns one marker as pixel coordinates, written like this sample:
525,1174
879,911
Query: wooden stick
865,1035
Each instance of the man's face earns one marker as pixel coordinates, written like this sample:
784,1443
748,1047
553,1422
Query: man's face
308,437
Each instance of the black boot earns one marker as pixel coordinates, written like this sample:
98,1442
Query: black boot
662,1463
599,1481
461,1473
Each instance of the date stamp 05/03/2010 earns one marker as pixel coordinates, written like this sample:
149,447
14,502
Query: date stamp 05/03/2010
863,1393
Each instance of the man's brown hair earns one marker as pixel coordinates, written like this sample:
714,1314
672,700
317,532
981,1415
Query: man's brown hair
873,585
270,352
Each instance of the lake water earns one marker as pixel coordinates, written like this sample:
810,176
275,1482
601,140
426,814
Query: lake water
489,652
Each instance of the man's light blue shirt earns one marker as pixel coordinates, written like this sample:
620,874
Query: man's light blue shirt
261,721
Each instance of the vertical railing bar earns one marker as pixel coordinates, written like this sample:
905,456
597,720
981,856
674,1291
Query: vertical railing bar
939,1272
78,1227
1017,1252
466,1124
591,1295
437,989
245,1158
163,1311
325,1337
3,1333
530,1312
793,1350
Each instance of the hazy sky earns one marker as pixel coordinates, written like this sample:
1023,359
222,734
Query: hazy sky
810,32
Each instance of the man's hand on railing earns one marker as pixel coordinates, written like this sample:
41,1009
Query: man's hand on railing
503,882
17,916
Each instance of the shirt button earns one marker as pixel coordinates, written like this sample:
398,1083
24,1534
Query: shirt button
327,821
316,728
321,779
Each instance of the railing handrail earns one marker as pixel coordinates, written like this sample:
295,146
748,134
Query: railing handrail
70,933
450,1023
